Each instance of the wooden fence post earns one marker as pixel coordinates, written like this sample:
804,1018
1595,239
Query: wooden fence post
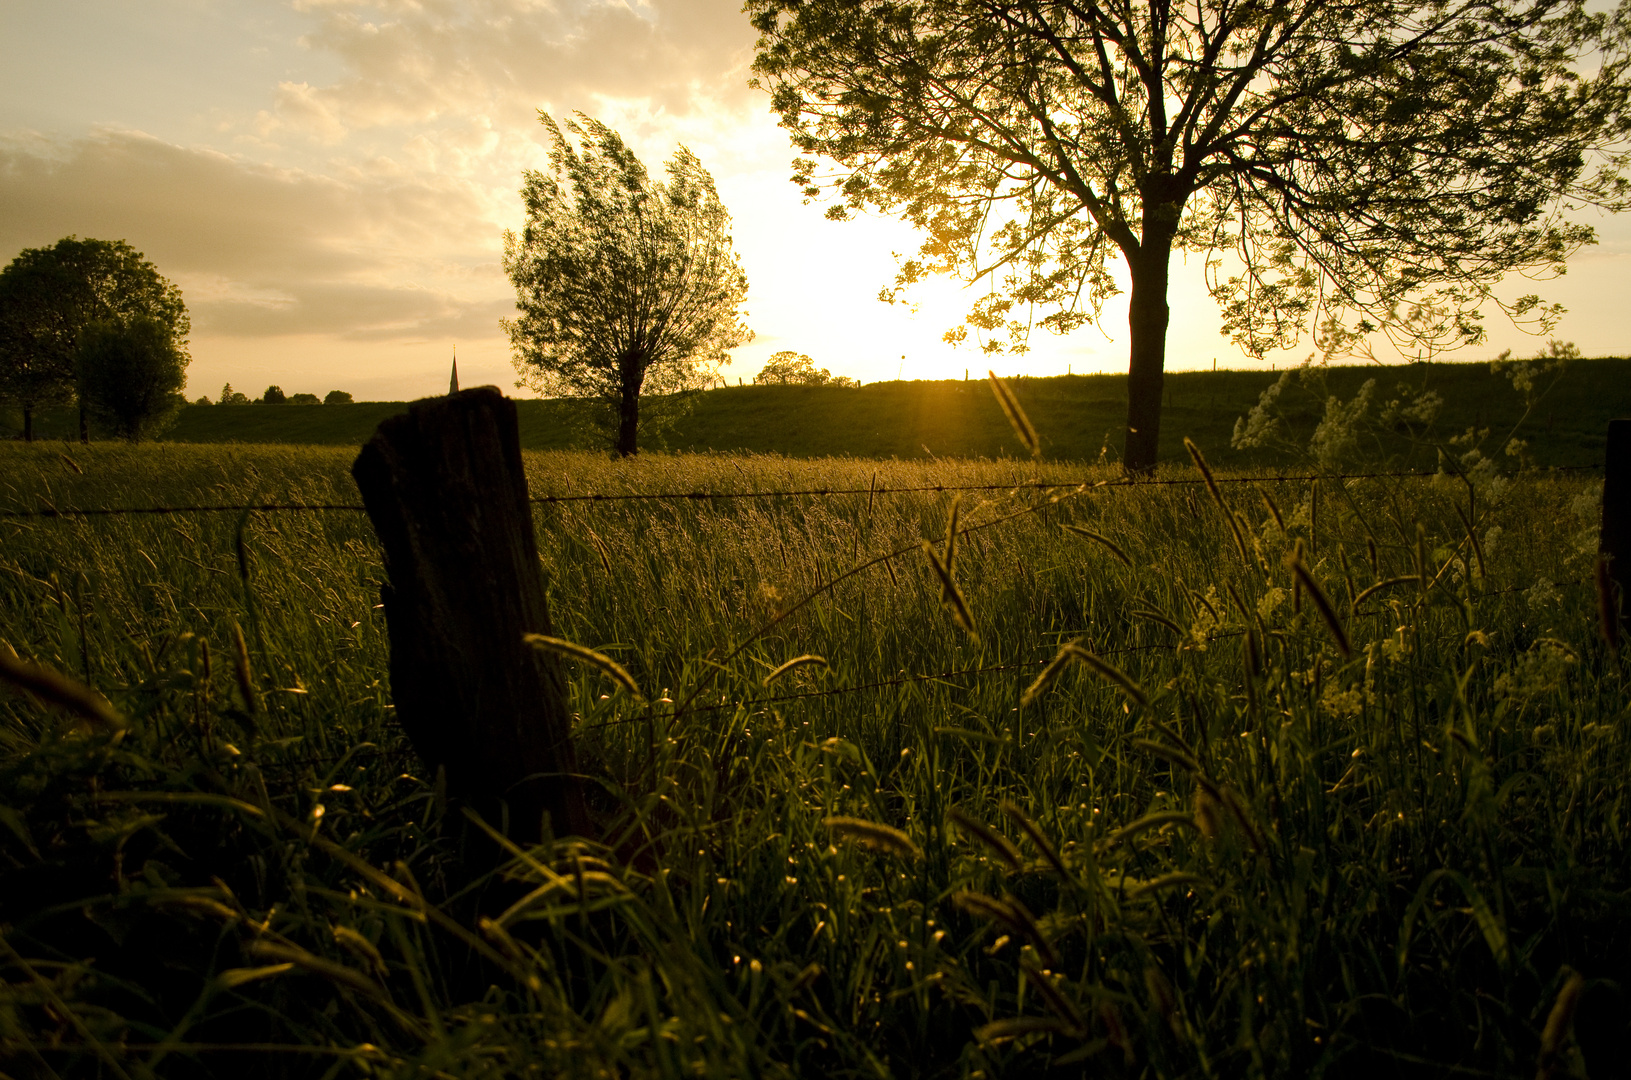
1615,538
444,487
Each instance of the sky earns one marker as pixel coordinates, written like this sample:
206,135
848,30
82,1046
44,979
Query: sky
328,181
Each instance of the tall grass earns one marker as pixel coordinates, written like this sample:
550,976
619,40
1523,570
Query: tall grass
1222,849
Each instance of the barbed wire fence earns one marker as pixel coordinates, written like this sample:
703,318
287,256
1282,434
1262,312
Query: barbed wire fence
49,511
690,707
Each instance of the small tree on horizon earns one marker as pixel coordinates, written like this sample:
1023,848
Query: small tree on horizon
229,396
794,368
625,285
274,396
338,397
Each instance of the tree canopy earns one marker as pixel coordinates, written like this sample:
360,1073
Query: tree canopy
1347,166
624,284
50,296
130,374
789,367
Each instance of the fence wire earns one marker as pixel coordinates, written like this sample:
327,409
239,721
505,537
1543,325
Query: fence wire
704,496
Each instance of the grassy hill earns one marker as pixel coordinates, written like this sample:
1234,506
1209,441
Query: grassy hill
1076,416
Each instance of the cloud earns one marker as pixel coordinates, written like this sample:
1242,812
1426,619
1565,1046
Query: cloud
418,63
375,252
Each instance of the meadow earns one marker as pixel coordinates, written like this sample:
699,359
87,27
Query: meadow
1079,418
1291,778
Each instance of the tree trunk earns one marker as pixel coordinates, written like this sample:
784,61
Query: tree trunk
444,487
1147,316
28,423
628,408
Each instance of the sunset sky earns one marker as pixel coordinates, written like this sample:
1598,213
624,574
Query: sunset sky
328,181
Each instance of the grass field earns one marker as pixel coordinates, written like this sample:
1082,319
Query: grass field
1078,416
1256,854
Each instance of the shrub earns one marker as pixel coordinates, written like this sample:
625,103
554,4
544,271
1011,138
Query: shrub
303,399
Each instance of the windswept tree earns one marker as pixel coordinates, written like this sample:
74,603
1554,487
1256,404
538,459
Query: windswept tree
624,284
1347,166
50,296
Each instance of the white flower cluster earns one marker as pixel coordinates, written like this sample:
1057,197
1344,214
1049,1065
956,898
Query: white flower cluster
1336,439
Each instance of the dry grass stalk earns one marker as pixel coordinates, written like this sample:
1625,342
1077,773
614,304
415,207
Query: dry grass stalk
1379,586
796,662
950,595
240,669
1553,1038
951,533
1175,880
1157,617
988,836
573,651
1370,555
1011,913
1472,538
600,549
873,836
1030,829
1422,561
1157,820
48,684
1273,509
1199,459
1322,604
1056,1002
1103,668
1016,415
1100,538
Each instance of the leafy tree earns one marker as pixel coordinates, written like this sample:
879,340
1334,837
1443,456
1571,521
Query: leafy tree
304,399
274,396
625,285
229,396
787,367
50,296
1346,165
337,397
130,375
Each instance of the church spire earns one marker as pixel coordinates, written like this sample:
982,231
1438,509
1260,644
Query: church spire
453,384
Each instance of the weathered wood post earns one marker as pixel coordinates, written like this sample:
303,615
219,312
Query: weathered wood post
444,487
1614,541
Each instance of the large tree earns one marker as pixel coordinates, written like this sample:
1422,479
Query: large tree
624,284
50,296
1350,166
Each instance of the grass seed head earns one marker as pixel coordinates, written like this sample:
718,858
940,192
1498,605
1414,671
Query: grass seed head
1099,538
573,651
988,836
885,839
49,684
240,668
1016,415
797,662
